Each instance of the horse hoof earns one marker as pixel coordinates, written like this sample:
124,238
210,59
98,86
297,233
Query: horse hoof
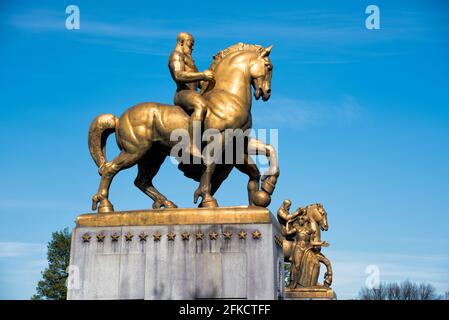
169,204
105,209
164,204
208,203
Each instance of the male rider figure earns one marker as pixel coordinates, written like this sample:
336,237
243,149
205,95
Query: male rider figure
188,80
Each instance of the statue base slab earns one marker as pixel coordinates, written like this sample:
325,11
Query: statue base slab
201,253
312,293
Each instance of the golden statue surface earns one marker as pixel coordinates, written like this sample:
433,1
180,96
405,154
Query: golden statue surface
208,131
144,133
302,249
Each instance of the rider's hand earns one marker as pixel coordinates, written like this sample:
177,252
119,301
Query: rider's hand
208,75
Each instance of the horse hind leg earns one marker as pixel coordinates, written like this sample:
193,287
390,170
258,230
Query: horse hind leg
108,171
148,167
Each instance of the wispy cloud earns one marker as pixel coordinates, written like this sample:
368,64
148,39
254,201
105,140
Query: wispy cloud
33,204
20,249
38,20
21,264
124,37
306,113
335,31
42,20
309,25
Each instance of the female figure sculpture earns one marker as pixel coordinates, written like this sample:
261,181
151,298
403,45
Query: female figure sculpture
303,234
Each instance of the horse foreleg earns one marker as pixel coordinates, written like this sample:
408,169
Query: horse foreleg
257,147
269,179
250,169
328,274
212,155
205,188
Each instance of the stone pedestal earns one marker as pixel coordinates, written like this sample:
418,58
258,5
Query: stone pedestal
312,293
224,253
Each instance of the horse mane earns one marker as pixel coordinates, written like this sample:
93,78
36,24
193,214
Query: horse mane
315,205
236,47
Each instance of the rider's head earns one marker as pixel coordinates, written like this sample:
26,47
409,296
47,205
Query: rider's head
287,204
186,41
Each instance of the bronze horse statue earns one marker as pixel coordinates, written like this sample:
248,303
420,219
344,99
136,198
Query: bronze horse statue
143,133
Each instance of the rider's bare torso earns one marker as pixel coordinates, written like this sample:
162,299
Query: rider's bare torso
182,63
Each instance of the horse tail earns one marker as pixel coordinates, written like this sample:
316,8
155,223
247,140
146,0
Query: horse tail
99,130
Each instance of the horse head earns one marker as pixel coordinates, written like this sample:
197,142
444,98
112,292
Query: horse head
249,59
319,214
261,71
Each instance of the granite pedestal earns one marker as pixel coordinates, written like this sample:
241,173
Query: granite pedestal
221,253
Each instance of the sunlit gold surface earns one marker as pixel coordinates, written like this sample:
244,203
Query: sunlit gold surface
187,78
179,216
143,131
302,246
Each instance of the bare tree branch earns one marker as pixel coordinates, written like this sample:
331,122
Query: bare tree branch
405,290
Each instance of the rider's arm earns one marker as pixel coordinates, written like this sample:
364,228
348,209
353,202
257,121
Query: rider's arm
295,214
176,64
289,230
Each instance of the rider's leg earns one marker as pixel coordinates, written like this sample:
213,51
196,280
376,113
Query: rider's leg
198,104
194,105
195,130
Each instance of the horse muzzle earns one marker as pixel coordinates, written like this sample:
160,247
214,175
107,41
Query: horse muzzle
266,95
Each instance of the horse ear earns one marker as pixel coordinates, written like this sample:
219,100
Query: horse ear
266,51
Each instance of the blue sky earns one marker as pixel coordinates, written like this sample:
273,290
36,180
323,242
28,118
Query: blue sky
363,121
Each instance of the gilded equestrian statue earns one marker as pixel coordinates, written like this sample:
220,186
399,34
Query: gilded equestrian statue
143,133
